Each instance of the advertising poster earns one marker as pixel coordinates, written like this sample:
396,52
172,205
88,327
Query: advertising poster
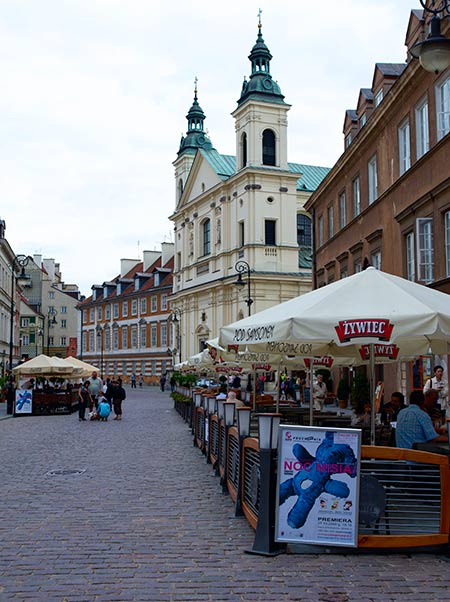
318,485
24,401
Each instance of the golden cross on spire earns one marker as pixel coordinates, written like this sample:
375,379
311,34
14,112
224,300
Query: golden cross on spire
259,19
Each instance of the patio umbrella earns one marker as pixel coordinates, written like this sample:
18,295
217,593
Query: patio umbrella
44,365
87,369
370,316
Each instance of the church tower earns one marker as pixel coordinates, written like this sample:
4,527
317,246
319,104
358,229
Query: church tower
261,115
194,139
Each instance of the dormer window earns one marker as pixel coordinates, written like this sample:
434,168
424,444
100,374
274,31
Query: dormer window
378,97
348,140
363,120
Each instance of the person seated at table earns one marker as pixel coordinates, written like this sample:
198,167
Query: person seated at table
361,416
433,408
391,409
232,397
414,424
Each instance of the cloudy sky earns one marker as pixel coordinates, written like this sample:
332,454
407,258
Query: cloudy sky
94,95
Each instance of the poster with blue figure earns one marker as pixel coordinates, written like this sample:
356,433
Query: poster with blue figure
318,485
24,401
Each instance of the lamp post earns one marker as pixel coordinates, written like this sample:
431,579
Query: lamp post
175,318
264,543
434,52
51,321
99,330
242,267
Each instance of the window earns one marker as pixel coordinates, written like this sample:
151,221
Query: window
378,97
134,339
342,211
91,340
154,303
348,140
108,312
51,294
303,230
24,322
425,255
330,222
134,307
144,305
63,341
25,340
84,316
124,337
63,323
143,336
269,232
244,149
124,309
116,310
153,339
443,108
375,260
363,120
356,197
163,302
63,309
91,314
372,183
207,237
153,367
107,339
99,313
344,273
163,334
268,148
410,258
180,188
447,243
404,147
357,266
50,341
320,230
116,338
241,241
84,342
422,130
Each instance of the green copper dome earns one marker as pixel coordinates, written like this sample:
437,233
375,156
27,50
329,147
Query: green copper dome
260,86
195,136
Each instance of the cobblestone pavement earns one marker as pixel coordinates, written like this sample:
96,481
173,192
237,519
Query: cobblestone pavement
147,521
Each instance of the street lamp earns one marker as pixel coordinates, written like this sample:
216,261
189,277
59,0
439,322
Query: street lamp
51,321
99,330
434,52
175,318
241,267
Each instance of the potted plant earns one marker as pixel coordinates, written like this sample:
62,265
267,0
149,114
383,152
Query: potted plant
360,389
343,393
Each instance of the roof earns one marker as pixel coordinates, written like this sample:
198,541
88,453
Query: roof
391,69
305,257
225,167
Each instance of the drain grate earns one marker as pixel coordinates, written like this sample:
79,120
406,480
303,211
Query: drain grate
64,471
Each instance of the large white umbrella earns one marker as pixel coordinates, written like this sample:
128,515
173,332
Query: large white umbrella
372,316
86,368
43,365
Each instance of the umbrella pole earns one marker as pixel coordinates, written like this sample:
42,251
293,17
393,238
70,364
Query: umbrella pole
311,400
254,390
278,387
372,393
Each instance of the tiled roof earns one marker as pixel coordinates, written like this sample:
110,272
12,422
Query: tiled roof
395,69
225,167
305,257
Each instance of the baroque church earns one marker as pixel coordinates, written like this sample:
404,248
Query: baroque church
239,218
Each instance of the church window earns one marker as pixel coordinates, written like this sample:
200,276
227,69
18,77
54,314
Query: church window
244,149
303,230
206,237
180,188
270,238
268,147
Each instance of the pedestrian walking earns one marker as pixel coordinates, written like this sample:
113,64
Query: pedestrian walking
172,383
133,381
141,380
118,395
84,400
162,382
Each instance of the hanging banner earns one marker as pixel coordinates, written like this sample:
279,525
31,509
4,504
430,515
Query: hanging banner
24,401
318,485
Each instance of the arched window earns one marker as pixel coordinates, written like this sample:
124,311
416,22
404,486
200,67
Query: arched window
268,142
206,237
244,149
180,188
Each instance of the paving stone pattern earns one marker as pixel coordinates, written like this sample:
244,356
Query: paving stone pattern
147,521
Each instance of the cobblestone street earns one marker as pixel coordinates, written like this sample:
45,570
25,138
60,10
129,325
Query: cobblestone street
146,521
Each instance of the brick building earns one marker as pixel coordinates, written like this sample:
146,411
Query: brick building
126,324
386,202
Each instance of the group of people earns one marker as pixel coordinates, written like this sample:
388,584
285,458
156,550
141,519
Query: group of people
100,398
134,380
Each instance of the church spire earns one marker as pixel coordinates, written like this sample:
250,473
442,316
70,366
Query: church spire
260,86
195,136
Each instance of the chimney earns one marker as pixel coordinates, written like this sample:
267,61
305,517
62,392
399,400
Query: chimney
49,267
149,258
127,264
168,250
37,260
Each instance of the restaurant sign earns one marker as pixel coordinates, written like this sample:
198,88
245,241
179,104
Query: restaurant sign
373,328
24,401
318,485
387,351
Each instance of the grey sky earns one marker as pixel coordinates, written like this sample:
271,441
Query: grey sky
94,95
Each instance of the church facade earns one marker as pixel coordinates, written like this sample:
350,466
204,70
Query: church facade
241,217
